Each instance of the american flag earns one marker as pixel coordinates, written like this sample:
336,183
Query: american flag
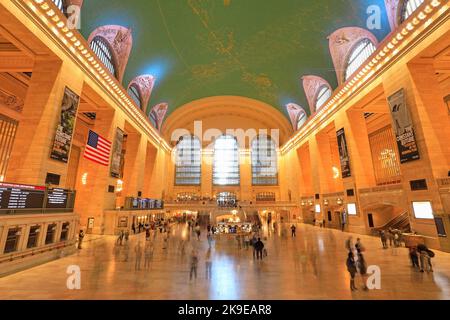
98,149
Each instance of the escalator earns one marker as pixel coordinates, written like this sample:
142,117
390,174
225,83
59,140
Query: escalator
401,222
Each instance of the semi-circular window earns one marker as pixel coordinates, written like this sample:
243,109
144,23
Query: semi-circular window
134,93
361,52
323,95
103,51
408,7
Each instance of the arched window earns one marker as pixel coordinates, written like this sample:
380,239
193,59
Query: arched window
226,162
301,119
134,93
264,162
153,119
361,52
103,51
188,160
408,7
59,4
323,95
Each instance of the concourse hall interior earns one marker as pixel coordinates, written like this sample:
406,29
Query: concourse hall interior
224,150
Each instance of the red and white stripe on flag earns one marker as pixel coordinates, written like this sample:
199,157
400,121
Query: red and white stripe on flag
98,149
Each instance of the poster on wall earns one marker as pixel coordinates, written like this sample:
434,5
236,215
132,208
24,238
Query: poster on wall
344,156
64,132
403,127
116,159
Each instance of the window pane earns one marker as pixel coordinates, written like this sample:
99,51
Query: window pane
226,162
134,94
323,96
102,50
188,161
409,6
59,4
264,161
359,55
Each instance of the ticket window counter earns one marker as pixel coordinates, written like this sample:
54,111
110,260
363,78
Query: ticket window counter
12,240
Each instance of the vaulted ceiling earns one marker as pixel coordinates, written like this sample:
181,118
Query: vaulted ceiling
253,48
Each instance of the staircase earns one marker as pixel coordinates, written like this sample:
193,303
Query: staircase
401,222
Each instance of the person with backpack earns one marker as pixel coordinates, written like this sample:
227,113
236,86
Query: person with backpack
351,268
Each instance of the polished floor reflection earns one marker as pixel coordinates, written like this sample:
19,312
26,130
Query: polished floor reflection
311,266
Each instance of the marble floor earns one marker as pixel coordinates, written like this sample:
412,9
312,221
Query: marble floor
311,266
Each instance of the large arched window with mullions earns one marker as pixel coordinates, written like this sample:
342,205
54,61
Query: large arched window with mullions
188,160
264,162
408,7
226,162
153,119
360,53
103,51
59,4
135,94
324,93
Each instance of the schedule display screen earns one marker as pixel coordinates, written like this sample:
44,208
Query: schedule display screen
21,196
17,197
57,199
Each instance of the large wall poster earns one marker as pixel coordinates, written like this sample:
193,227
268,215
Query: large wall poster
66,126
403,126
116,158
344,156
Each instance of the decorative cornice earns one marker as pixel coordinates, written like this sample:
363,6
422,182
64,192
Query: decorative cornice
54,22
391,49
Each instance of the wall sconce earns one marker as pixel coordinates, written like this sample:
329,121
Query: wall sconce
303,203
336,173
326,202
340,201
84,178
119,186
310,203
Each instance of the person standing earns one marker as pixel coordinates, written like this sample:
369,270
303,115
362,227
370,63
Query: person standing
194,265
197,231
120,238
246,241
127,236
148,255
383,239
359,246
80,238
208,264
294,231
210,239
133,228
413,255
259,247
138,251
362,267
351,268
349,244
239,243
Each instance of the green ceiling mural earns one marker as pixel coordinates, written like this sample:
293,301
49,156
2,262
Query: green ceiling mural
253,48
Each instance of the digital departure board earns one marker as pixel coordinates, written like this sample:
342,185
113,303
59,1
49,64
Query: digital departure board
13,196
57,198
18,197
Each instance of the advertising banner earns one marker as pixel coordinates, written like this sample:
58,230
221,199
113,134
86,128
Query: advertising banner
344,156
403,127
116,158
64,132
